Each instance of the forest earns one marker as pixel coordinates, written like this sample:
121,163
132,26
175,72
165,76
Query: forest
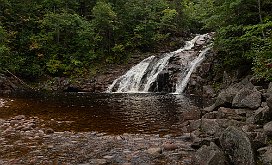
75,37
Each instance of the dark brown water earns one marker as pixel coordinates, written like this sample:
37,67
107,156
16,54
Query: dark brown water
109,113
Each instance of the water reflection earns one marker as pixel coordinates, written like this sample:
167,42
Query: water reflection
110,113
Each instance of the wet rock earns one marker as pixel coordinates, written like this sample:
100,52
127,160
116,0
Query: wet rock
154,151
266,155
247,98
169,147
237,146
268,129
49,131
98,162
19,117
209,155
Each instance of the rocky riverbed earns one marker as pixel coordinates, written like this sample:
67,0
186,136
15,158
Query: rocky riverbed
25,141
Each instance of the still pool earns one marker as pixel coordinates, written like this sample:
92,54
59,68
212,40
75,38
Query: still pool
107,113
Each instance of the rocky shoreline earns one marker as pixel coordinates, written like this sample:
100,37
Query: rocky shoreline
236,129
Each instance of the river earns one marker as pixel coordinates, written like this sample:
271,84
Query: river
148,113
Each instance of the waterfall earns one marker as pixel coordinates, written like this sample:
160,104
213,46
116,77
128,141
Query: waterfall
183,81
130,82
141,77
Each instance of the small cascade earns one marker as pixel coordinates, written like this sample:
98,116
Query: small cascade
130,82
183,81
145,76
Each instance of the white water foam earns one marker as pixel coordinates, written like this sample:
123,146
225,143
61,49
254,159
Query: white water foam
140,77
182,83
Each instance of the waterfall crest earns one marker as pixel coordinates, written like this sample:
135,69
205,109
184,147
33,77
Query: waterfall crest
155,74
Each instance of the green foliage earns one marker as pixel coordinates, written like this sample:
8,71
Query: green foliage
65,43
71,37
243,31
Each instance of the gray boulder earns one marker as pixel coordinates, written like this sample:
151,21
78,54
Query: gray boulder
225,98
247,98
237,146
209,155
266,155
260,116
268,129
212,127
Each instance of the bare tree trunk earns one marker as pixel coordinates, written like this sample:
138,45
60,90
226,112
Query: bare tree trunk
260,15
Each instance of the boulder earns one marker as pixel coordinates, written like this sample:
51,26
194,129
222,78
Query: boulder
268,129
266,155
228,113
260,116
225,98
209,155
212,127
237,146
247,98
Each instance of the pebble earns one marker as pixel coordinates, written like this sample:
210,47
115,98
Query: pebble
108,157
49,131
154,151
170,147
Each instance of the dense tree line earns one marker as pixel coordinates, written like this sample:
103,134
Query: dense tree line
243,32
71,37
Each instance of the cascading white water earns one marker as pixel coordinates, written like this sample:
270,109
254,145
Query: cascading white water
182,83
130,82
140,77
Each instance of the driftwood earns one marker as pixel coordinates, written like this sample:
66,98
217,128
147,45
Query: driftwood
21,81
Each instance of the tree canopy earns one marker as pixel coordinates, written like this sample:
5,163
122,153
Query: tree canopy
71,37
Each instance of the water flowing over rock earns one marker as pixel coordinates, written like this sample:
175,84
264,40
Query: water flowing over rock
169,72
